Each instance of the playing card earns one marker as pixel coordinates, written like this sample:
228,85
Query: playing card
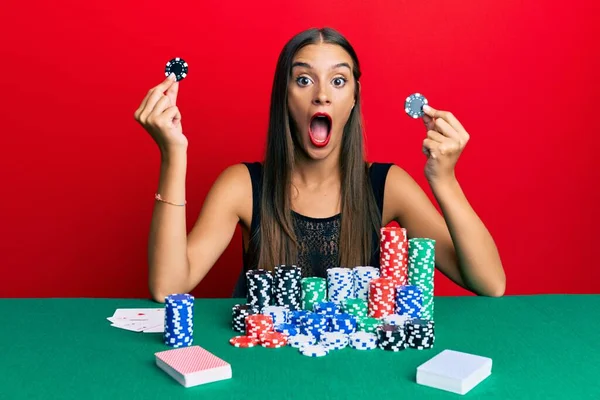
139,319
155,329
194,365
138,315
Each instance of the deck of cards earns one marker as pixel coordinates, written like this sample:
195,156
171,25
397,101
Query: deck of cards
454,371
193,366
146,320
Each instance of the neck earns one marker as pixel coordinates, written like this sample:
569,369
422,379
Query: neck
316,173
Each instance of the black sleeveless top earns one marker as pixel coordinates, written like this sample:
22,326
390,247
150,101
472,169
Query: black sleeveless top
318,237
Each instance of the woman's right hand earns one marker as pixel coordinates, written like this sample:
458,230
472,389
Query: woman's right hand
159,115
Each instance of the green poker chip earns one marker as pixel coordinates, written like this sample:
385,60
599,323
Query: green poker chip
314,290
421,271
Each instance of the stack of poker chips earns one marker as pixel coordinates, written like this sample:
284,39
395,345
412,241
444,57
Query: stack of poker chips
391,337
273,340
362,275
393,247
395,319
382,297
279,314
301,340
344,323
260,288
314,325
368,324
340,284
356,307
334,340
239,312
363,341
327,308
421,268
328,328
259,330
179,324
258,324
287,329
296,316
287,289
420,333
314,290
409,301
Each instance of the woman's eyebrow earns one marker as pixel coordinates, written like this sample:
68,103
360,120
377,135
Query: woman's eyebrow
308,66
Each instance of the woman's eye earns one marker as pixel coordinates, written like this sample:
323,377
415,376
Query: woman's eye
339,82
303,80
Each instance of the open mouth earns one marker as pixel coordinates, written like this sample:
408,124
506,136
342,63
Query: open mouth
320,129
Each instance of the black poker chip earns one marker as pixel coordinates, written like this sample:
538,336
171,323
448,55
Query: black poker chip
177,66
414,105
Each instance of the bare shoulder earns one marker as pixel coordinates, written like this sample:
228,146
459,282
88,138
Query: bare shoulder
233,187
402,195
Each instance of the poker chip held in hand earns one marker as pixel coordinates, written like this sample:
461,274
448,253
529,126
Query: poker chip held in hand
178,67
413,105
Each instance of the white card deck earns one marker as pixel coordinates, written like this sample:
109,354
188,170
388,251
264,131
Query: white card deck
454,371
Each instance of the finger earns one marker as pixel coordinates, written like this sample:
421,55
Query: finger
445,115
156,92
445,129
172,113
164,85
429,122
162,104
139,110
431,148
172,93
436,136
446,145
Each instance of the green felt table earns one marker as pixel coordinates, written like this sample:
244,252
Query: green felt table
542,347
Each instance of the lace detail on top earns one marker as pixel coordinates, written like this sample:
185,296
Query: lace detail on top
318,238
318,243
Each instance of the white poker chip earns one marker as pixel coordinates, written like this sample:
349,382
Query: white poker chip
314,350
363,341
334,340
396,319
297,341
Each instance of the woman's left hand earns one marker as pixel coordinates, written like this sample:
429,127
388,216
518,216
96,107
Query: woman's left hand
446,139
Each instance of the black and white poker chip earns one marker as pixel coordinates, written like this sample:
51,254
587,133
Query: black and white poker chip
414,105
177,66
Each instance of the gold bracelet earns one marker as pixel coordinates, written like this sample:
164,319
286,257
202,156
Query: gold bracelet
159,198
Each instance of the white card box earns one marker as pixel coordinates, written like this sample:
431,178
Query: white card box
454,371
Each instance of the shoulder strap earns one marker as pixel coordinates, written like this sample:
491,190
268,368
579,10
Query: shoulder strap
378,174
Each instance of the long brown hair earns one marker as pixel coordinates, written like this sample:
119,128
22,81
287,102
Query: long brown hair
359,213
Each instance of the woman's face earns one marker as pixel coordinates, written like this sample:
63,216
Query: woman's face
320,97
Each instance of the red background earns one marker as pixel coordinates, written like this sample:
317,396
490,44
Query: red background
80,174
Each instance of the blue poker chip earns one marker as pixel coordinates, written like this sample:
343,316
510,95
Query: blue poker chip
179,320
414,105
177,66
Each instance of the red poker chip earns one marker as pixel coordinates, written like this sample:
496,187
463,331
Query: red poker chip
273,345
244,341
273,338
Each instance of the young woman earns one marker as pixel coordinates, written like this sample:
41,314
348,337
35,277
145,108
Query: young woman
314,201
